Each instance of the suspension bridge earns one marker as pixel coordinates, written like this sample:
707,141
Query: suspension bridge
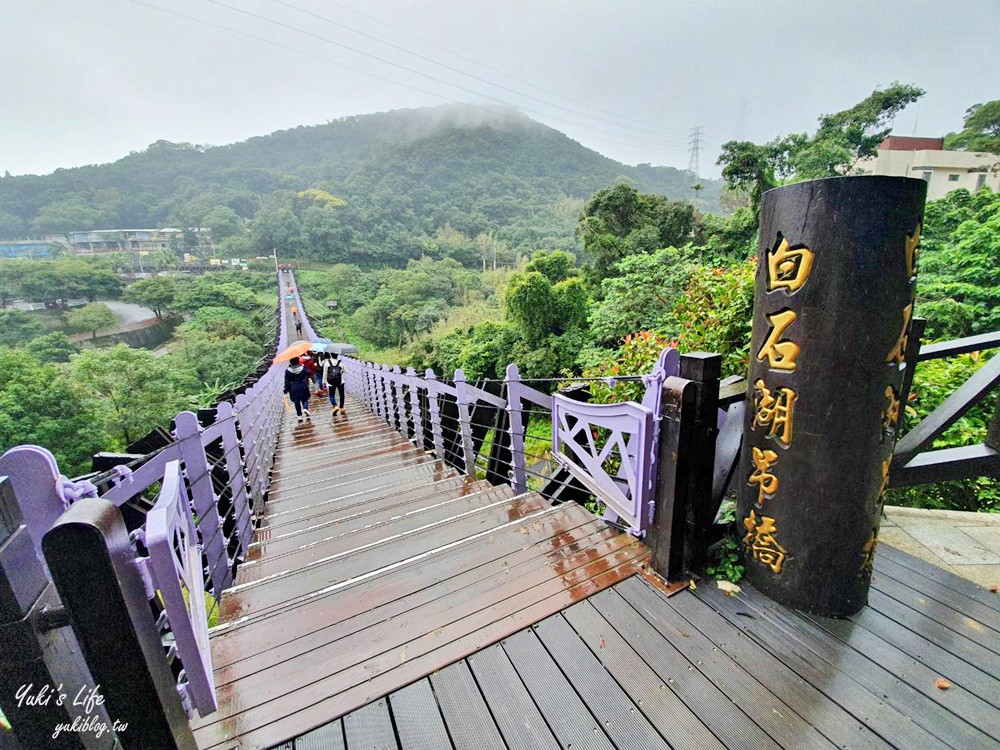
425,570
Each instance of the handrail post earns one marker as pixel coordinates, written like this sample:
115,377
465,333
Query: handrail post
397,376
414,388
671,501
93,566
698,468
390,413
199,480
519,480
435,414
373,372
236,471
465,422
29,654
386,384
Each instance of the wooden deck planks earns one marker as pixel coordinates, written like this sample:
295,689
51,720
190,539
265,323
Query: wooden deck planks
521,723
417,718
631,668
375,565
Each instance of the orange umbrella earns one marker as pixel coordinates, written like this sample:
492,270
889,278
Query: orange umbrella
295,350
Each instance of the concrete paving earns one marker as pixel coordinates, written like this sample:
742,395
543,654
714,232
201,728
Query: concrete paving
966,544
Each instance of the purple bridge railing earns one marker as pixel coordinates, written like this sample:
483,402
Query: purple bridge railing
135,558
609,449
178,556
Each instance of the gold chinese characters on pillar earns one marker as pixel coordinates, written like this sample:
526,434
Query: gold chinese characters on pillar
773,414
761,543
893,408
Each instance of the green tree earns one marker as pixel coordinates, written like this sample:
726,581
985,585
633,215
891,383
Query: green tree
137,391
76,213
838,143
640,296
68,279
277,229
220,363
17,327
958,286
11,226
982,129
555,266
156,293
222,222
219,322
53,347
530,306
39,405
715,314
212,291
92,317
620,221
540,309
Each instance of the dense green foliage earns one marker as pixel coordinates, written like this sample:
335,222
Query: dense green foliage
369,190
156,293
958,289
982,129
90,318
436,243
78,402
934,381
48,281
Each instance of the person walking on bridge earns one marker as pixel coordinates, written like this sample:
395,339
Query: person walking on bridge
297,387
298,328
333,376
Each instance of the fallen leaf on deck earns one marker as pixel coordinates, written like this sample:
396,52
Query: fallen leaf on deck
995,589
942,684
402,656
692,586
600,643
729,587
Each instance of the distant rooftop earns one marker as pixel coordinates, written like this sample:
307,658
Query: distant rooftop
908,143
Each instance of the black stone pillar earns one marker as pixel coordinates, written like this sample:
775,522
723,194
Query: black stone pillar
832,307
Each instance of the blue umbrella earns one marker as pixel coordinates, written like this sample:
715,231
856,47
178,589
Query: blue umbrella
340,348
320,344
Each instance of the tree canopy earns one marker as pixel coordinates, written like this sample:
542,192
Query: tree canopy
838,143
982,129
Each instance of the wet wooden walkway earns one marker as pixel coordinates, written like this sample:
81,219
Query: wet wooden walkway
375,565
630,668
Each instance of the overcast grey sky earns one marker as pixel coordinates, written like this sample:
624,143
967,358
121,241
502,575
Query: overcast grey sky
87,81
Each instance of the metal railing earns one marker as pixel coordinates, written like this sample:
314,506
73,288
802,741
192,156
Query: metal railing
914,462
607,450
137,595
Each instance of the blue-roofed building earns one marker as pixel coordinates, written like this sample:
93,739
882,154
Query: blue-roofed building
27,248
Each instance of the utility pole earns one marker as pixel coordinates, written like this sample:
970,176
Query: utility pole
274,252
693,167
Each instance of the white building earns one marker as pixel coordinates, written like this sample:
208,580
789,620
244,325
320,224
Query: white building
925,158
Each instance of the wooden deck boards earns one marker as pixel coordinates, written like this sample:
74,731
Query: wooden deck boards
630,668
375,565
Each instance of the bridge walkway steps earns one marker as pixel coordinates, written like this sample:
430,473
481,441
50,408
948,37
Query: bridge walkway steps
375,565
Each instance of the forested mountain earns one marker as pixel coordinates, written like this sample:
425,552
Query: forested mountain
403,175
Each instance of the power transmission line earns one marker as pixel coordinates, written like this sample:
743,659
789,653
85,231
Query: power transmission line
422,40
693,166
493,112
327,40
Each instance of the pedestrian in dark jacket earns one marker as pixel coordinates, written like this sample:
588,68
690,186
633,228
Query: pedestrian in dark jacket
297,387
333,376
